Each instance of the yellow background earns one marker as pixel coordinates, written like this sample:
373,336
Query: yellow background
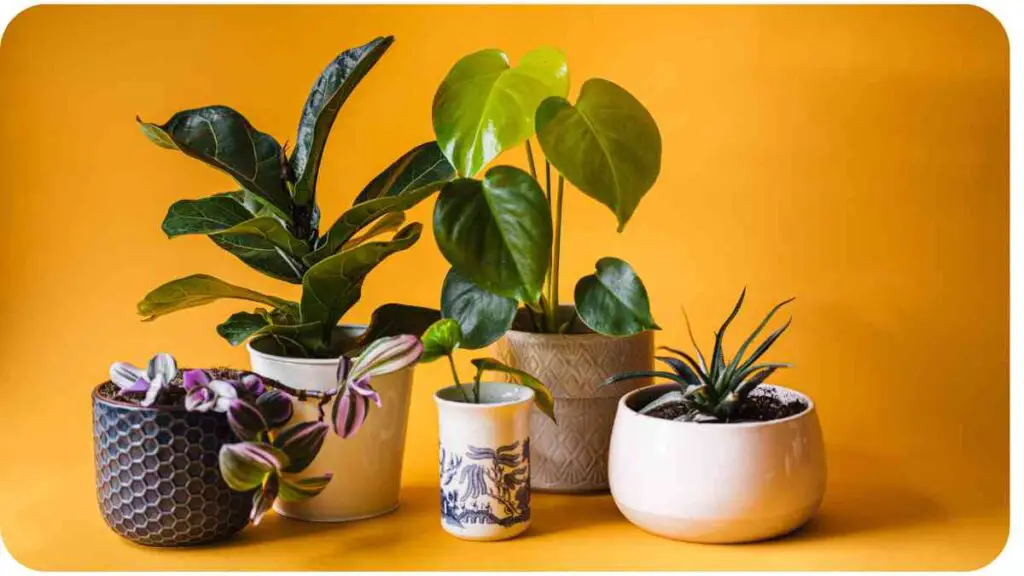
856,158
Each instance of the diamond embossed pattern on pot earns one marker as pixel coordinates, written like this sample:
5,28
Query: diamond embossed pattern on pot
157,477
572,456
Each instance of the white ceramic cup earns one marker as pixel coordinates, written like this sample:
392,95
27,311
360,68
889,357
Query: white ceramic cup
718,483
485,461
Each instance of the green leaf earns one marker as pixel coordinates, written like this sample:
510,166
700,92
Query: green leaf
422,166
215,215
362,215
440,339
738,358
303,489
196,290
483,316
270,230
614,301
496,232
244,465
484,106
240,326
204,216
644,374
224,139
325,100
395,319
542,397
335,283
608,145
388,223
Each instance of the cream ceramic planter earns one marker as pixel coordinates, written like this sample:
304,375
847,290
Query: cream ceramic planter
484,461
367,468
572,456
717,483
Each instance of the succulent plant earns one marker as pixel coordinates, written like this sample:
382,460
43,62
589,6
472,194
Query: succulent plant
445,335
271,220
157,376
715,391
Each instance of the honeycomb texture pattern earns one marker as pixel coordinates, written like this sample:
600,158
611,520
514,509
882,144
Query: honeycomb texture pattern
572,456
157,477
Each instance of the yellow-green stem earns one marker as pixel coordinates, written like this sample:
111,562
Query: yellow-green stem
556,249
458,382
529,158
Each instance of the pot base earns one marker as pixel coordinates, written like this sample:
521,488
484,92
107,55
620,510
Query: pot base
485,535
335,520
718,530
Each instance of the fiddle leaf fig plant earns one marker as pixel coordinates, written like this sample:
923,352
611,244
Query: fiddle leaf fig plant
502,232
272,221
443,337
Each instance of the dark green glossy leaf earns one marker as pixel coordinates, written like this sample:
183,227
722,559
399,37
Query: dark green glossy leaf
422,166
496,232
334,284
483,316
261,255
205,216
362,215
542,397
440,339
325,100
270,230
607,145
484,106
196,290
384,225
224,139
395,319
240,326
613,301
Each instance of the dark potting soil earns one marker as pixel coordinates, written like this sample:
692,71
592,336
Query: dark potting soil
174,395
764,405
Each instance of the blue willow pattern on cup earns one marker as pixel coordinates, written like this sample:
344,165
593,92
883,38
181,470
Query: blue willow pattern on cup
486,485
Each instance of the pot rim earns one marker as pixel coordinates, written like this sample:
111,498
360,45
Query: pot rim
528,395
595,336
301,361
125,404
810,409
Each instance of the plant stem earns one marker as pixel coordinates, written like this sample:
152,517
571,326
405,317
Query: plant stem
557,248
550,312
529,158
455,374
476,386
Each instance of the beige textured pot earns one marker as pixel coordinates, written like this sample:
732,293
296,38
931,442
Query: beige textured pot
572,456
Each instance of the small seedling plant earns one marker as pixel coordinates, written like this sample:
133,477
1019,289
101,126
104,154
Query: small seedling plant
713,391
272,451
441,340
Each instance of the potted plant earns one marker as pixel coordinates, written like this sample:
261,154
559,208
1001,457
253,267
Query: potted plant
271,223
502,234
718,455
484,442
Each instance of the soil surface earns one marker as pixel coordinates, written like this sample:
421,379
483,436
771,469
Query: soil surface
174,395
764,405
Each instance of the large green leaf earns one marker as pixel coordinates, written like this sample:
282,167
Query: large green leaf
335,283
216,214
485,106
362,215
613,301
496,232
270,230
325,100
197,290
422,166
483,316
607,145
240,326
224,139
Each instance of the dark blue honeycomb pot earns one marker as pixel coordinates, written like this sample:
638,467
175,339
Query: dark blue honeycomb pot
157,477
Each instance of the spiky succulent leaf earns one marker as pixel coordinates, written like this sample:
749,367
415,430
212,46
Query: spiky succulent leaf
669,397
645,374
698,368
738,358
689,330
718,355
760,350
682,369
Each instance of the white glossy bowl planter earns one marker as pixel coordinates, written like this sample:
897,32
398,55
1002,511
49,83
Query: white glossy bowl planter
716,483
367,468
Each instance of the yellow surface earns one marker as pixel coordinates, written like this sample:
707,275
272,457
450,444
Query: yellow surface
856,158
